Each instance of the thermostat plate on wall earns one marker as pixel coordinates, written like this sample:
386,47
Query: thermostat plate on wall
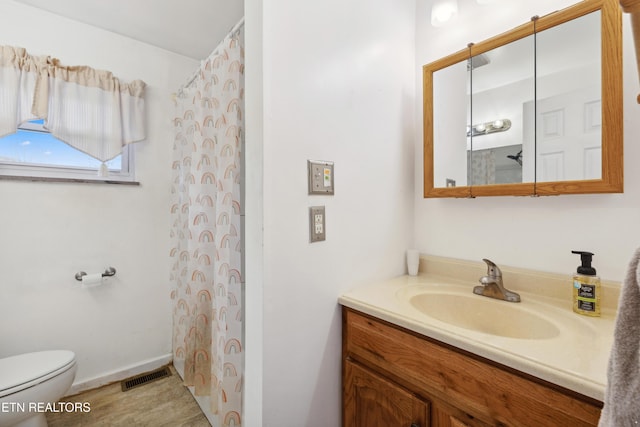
320,177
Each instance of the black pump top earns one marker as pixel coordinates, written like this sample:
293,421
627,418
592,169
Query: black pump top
585,268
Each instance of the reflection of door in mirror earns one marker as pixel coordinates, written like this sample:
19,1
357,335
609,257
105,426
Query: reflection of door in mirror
568,137
500,86
569,112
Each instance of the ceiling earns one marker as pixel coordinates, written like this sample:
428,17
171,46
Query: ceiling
192,28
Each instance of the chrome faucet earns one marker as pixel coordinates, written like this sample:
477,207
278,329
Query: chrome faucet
491,285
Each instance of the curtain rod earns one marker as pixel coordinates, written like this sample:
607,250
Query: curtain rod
233,30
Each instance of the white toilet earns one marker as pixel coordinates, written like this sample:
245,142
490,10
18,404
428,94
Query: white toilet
29,381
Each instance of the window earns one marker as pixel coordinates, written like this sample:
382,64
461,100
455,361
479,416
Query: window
33,152
91,110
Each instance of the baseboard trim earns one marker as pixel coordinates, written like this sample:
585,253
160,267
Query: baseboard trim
121,374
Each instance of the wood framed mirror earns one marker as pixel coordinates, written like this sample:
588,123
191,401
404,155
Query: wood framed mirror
534,111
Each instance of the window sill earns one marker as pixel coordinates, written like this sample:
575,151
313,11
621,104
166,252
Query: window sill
60,179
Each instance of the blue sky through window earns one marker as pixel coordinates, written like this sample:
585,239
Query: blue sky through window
41,148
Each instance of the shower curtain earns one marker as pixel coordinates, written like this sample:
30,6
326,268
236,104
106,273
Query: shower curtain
482,167
206,233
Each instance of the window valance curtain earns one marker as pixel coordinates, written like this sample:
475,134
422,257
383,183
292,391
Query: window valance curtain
89,109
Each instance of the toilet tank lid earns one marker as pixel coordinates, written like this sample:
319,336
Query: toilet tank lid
22,368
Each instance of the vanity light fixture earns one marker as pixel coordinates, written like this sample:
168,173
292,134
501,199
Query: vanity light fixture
443,11
486,128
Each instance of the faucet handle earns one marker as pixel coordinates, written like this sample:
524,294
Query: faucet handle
492,269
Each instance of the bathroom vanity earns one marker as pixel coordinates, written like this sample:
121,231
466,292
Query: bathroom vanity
406,364
402,378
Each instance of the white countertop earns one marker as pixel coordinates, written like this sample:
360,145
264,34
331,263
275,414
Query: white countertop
575,358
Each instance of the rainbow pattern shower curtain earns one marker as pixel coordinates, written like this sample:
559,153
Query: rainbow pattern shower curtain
206,232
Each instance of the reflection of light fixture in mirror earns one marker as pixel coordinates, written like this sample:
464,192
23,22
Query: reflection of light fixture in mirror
443,11
477,61
486,128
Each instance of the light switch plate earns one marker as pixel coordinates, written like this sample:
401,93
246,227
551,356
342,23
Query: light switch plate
317,227
320,176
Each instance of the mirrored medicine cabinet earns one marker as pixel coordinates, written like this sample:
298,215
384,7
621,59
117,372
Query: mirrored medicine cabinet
534,111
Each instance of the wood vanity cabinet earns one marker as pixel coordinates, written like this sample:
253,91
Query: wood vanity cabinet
393,377
373,401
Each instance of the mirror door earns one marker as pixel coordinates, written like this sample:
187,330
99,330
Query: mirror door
502,81
569,108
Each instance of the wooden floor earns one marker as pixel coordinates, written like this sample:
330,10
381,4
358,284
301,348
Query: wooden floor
163,402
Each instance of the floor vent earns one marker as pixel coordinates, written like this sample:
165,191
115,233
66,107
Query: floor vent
143,379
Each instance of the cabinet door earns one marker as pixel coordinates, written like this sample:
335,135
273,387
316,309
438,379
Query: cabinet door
449,417
372,401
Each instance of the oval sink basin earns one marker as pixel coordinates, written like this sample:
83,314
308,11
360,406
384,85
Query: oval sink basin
486,315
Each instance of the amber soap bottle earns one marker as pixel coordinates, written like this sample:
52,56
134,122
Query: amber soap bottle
586,287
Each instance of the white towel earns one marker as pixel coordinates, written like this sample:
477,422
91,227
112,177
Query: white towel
622,395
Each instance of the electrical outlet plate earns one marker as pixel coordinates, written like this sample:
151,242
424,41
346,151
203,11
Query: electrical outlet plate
317,228
320,177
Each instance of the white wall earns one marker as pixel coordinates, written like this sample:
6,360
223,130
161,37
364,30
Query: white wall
537,233
49,231
254,208
338,81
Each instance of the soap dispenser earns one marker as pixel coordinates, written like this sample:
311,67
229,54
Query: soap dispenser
586,287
